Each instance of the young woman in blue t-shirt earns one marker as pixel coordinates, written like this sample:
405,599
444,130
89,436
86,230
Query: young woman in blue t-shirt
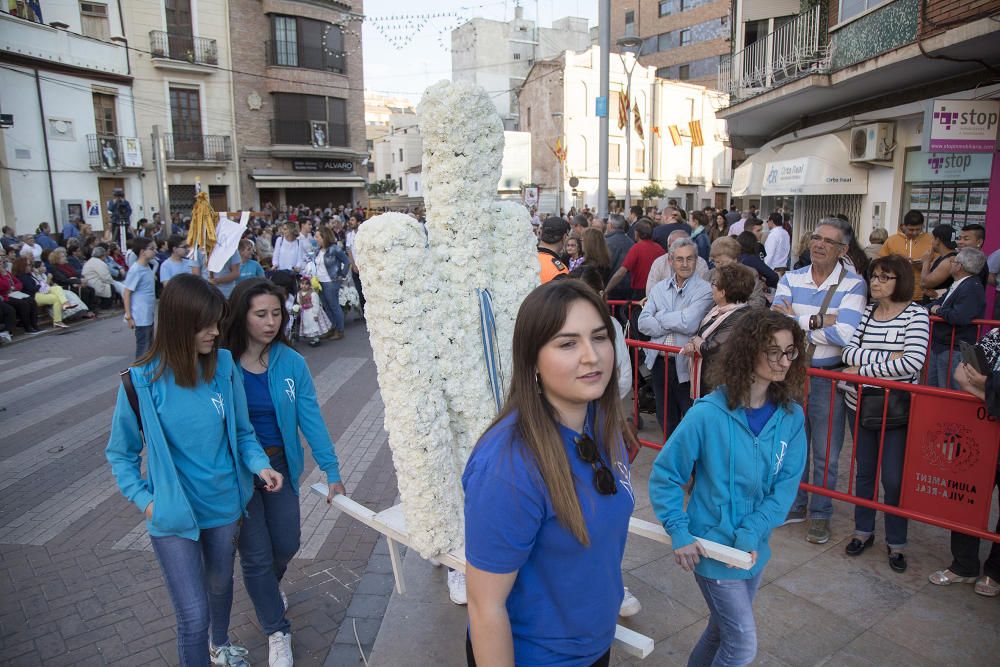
548,494
282,401
747,442
201,456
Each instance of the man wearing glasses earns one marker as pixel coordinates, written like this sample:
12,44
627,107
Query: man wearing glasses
827,300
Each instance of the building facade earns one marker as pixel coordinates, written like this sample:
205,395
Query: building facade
681,39
299,103
498,55
681,147
181,60
839,107
72,136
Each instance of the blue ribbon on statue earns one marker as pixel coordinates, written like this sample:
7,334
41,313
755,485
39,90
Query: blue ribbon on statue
491,352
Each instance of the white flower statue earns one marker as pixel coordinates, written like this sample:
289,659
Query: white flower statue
423,307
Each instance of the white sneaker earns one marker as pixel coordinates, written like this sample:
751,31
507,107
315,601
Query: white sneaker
234,656
630,605
456,587
284,599
279,650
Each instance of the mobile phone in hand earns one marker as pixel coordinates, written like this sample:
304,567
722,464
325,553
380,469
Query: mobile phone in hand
973,355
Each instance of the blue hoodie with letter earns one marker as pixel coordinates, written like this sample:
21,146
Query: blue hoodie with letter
744,484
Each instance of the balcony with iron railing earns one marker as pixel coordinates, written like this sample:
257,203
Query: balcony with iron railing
303,133
111,152
797,48
166,47
21,36
283,53
198,147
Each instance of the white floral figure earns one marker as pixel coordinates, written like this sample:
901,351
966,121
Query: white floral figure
423,310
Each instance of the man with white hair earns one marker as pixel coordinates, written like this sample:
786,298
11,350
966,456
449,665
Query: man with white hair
662,268
964,301
673,311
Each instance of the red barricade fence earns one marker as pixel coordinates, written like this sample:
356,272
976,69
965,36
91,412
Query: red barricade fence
951,451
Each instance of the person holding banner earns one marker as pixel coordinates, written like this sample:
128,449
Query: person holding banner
747,441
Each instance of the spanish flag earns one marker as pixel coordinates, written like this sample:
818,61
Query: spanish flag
696,137
638,121
622,109
675,135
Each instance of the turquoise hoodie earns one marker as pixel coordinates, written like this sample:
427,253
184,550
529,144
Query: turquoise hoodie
744,484
294,397
172,513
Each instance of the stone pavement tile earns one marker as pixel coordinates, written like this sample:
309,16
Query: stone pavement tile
670,652
661,616
667,577
873,650
846,588
344,655
422,633
367,630
950,625
640,551
798,631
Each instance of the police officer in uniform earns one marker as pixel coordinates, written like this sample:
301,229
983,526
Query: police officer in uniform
550,245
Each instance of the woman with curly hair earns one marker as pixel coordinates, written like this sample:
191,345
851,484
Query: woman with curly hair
747,440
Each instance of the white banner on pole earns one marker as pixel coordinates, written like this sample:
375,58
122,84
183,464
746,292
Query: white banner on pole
227,240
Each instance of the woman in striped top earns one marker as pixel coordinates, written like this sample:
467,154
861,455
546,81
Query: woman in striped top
890,343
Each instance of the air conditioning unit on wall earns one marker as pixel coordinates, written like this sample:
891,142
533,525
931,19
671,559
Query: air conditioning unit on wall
872,142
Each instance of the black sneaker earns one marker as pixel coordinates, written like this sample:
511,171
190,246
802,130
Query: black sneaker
855,547
897,561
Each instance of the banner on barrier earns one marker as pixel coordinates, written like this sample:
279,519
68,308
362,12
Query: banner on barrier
951,460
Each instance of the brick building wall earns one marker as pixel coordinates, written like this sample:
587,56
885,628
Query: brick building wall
940,15
701,18
250,21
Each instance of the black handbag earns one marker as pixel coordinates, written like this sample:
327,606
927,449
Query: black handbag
872,405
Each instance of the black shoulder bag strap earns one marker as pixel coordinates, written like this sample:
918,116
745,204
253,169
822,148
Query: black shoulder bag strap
133,397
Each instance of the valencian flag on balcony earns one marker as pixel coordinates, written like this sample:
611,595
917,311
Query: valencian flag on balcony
675,135
696,137
638,121
622,109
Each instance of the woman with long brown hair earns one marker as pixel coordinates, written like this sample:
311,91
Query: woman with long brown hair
747,441
185,401
595,253
548,494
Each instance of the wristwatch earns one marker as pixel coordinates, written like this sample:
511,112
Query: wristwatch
815,322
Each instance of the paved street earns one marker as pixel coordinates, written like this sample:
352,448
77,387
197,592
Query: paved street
80,586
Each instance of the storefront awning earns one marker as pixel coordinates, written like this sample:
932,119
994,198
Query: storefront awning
816,166
289,181
747,177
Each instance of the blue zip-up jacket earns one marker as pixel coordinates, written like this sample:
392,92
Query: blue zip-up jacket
294,397
172,513
744,484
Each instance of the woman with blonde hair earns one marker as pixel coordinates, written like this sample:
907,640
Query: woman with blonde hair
548,494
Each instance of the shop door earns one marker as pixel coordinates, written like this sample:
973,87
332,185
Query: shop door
185,121
106,186
180,36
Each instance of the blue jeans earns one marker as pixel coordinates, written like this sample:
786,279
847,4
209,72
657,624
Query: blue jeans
892,480
268,541
330,296
939,372
199,578
730,640
143,339
817,423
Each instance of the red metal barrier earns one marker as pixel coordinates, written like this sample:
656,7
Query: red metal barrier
983,327
947,472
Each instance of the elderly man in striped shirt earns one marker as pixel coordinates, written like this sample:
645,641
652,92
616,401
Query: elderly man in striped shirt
827,300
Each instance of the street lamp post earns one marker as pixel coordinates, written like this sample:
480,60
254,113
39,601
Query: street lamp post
631,45
558,116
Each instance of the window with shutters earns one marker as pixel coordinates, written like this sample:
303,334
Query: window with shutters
94,20
105,118
614,157
294,113
302,42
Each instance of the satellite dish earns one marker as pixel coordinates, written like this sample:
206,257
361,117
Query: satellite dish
573,181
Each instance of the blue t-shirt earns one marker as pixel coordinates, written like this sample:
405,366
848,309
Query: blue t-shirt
564,604
227,288
250,269
199,447
757,418
261,407
139,280
170,268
